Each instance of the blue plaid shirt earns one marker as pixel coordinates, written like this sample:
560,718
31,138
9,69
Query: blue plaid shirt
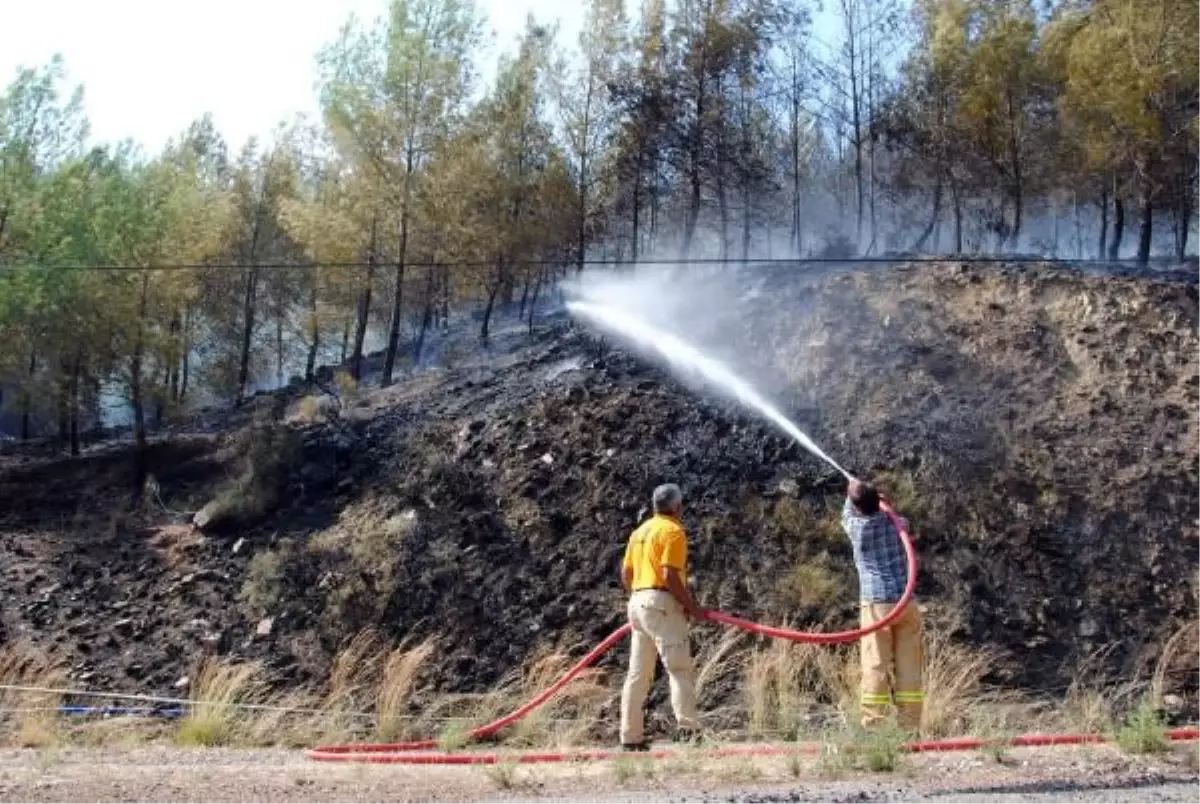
878,554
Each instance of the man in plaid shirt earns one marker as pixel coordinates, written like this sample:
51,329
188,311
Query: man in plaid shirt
891,657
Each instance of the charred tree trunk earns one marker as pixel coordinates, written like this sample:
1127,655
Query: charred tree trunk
919,246
637,206
533,304
493,291
27,398
445,298
1114,248
76,369
314,333
62,404
393,344
746,222
695,150
1183,216
176,358
159,402
1018,181
1146,233
1103,248
426,315
249,294
364,309
279,378
958,217
525,292
135,390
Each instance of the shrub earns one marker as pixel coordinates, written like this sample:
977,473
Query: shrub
268,452
1143,731
814,584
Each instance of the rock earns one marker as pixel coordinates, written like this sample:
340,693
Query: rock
1088,628
237,546
1173,703
210,516
789,487
263,629
182,683
547,459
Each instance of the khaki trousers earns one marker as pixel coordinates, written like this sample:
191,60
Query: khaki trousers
892,663
660,629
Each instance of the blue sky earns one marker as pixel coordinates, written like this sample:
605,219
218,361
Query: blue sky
150,67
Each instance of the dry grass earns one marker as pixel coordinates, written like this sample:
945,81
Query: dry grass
396,688
900,488
814,584
1182,648
801,521
955,694
749,688
567,718
347,385
214,718
1094,702
314,409
30,717
792,690
353,680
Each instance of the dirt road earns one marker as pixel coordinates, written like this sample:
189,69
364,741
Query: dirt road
159,773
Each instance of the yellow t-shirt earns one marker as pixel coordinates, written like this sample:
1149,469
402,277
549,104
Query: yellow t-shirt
658,542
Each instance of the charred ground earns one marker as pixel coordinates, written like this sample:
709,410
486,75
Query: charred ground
1037,424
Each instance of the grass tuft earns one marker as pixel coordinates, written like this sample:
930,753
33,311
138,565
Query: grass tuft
400,672
504,774
31,717
565,720
213,718
954,684
1143,731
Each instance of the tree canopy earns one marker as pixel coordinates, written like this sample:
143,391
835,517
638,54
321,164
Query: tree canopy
431,182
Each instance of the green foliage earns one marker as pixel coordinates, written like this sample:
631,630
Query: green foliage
659,127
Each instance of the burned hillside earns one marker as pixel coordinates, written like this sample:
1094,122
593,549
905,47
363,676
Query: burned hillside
1037,425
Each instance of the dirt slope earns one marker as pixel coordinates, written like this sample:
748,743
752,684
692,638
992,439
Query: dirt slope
1038,425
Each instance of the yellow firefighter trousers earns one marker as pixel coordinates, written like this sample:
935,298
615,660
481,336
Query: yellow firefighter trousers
660,629
892,663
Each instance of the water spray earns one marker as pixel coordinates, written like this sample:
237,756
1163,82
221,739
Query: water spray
689,360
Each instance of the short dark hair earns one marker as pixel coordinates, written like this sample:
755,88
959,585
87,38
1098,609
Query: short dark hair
865,498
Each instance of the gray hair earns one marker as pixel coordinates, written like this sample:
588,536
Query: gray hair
666,497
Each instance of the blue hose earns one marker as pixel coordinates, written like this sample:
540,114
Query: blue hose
120,710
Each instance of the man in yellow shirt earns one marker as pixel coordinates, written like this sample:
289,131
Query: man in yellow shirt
654,572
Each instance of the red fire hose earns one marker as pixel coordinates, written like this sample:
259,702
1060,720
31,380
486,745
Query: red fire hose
421,752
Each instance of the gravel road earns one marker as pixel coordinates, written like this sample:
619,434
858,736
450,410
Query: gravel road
161,773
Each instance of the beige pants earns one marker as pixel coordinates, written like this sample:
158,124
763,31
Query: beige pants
892,660
660,629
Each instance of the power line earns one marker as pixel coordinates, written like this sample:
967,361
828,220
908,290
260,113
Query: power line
782,261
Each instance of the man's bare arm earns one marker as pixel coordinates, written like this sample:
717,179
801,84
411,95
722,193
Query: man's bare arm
678,588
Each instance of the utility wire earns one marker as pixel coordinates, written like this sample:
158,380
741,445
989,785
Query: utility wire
797,261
